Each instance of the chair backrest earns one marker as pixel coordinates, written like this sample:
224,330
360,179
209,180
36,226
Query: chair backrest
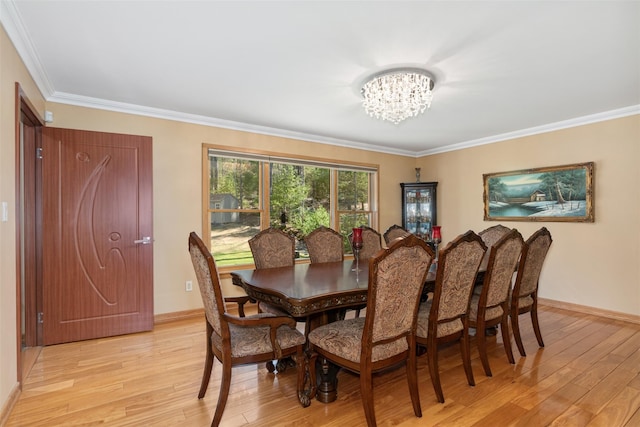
491,235
458,264
371,242
324,245
273,248
209,283
533,255
394,232
503,260
396,279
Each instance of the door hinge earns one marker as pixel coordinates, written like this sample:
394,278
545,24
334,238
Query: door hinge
40,317
39,153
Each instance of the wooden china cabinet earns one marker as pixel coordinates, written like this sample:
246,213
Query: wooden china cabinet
419,213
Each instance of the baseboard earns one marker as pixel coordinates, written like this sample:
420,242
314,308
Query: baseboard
9,404
177,315
187,314
609,314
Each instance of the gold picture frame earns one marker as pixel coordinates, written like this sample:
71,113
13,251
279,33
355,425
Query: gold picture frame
558,193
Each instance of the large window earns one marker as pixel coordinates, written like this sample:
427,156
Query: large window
250,192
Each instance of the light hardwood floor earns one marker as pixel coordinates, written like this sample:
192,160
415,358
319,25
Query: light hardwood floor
587,375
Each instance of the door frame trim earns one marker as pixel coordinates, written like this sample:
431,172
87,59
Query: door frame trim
22,103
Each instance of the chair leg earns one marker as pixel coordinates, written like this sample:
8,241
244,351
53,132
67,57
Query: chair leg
208,364
412,379
515,326
481,339
432,357
536,324
366,392
506,338
466,356
225,385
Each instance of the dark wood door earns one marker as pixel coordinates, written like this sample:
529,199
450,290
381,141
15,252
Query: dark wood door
97,235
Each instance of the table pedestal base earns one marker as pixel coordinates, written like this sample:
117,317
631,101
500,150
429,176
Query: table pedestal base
327,381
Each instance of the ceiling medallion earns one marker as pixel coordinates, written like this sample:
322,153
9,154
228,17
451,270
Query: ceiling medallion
398,94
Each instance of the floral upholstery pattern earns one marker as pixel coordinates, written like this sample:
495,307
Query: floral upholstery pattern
489,308
371,243
444,318
324,245
501,274
386,336
491,235
207,291
247,341
490,314
394,232
273,248
344,339
536,254
397,285
404,269
524,296
459,276
239,340
444,329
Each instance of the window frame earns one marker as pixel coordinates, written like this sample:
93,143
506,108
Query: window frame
266,158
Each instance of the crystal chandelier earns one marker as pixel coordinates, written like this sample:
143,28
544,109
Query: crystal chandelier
397,94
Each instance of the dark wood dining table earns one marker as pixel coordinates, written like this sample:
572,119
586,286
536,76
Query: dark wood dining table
319,293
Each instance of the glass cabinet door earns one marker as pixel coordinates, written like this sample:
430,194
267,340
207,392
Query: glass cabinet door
419,213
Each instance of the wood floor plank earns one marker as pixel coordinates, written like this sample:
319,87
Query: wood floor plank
588,373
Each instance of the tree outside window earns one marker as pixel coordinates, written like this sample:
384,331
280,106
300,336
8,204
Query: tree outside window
248,195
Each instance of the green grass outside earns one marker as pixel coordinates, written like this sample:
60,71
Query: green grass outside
233,258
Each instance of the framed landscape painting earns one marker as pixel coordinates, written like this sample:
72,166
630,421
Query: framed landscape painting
558,193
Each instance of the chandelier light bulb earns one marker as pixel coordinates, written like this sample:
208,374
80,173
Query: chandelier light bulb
396,95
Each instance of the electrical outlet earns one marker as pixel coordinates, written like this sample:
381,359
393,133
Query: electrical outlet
188,286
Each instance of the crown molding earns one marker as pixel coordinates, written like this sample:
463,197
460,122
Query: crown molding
551,127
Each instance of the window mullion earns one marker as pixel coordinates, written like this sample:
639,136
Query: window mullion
265,195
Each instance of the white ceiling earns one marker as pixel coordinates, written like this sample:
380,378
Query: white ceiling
294,68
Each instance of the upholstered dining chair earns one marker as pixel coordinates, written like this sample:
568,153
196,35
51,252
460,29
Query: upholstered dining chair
371,242
524,298
235,340
324,245
491,307
491,235
272,248
393,233
444,318
386,336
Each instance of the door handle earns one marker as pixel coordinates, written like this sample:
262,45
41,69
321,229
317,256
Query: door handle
147,240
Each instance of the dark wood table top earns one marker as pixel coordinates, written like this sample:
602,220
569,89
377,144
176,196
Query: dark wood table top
305,289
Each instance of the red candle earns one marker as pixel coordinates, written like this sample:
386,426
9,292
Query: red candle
436,232
357,235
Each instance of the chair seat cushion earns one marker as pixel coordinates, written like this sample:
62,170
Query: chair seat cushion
490,314
525,301
247,341
444,329
265,307
344,339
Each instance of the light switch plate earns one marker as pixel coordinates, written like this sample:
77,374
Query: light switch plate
5,212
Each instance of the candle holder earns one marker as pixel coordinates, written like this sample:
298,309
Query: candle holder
436,238
356,244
